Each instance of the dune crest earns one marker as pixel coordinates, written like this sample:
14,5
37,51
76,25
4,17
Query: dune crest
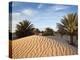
39,46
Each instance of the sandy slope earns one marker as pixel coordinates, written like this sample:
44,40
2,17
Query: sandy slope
39,46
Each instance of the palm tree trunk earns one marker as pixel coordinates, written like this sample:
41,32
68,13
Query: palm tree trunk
71,39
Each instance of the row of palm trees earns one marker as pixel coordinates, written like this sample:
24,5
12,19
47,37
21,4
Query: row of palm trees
68,26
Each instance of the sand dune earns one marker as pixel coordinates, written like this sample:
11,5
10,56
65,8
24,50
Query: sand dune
39,46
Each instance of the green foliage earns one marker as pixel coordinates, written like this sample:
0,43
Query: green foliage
69,25
48,32
36,31
24,28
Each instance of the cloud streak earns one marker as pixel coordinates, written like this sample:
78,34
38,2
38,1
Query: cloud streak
40,5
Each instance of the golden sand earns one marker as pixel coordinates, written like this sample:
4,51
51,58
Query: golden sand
40,46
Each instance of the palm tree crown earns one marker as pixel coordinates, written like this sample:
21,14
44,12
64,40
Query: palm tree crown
24,28
69,24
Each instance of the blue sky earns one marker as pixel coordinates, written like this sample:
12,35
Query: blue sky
41,15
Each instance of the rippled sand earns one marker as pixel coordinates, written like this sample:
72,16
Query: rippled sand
40,46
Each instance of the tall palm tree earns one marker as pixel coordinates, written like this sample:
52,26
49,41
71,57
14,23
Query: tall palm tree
24,28
69,25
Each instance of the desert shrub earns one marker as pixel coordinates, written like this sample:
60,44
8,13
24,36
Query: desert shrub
47,32
36,31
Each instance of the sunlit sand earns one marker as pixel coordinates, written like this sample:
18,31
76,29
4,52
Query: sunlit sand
40,46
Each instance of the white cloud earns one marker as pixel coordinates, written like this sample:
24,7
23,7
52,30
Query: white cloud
29,12
16,13
16,16
24,14
40,5
57,8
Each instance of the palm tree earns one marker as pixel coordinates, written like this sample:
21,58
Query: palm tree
24,28
69,25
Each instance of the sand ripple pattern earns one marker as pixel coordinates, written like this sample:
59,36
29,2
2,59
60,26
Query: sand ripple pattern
40,46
